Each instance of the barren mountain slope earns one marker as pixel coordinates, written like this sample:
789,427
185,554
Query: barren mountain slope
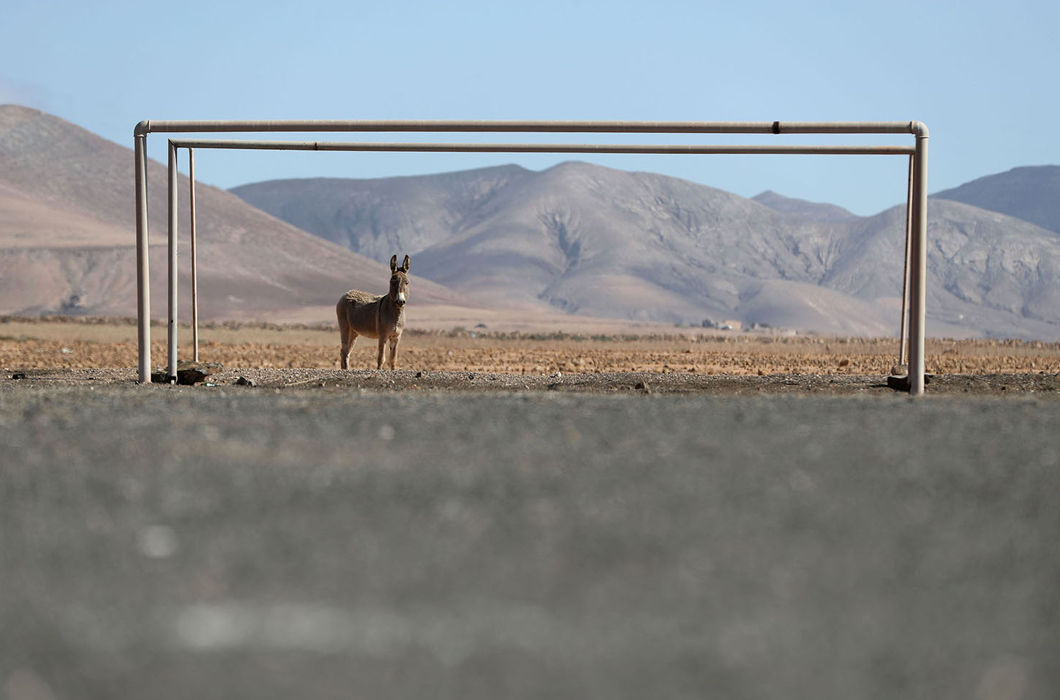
818,211
591,240
987,272
378,216
1029,193
576,237
600,241
67,236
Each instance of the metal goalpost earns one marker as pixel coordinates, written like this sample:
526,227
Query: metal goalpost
913,284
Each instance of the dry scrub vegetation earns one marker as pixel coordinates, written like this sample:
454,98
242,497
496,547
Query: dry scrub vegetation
58,342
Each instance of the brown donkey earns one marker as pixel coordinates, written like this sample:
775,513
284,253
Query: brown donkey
382,317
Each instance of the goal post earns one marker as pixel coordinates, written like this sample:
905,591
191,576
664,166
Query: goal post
914,280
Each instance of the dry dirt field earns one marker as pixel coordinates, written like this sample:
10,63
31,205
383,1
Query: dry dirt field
68,343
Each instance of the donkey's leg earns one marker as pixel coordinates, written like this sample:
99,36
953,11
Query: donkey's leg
382,346
344,334
393,349
344,350
348,339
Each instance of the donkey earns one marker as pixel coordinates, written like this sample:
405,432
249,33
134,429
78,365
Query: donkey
382,317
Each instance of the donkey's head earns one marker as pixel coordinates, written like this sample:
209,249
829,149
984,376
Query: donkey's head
399,281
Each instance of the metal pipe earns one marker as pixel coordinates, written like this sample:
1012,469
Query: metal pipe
918,267
916,215
143,272
172,367
903,341
641,127
545,148
194,259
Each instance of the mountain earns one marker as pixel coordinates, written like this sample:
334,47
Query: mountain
800,207
67,237
576,237
591,240
379,216
572,239
1028,193
986,272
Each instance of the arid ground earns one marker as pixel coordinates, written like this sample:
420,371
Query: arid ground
51,344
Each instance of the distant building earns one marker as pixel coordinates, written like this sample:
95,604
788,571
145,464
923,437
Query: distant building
722,325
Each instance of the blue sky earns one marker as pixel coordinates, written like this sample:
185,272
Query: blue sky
981,75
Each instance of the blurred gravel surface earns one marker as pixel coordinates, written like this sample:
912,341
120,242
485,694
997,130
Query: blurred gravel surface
1044,385
456,535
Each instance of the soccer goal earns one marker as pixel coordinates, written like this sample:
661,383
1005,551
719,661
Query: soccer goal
911,349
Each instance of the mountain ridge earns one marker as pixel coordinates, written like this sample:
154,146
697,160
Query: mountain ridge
820,211
587,239
574,238
67,241
1031,193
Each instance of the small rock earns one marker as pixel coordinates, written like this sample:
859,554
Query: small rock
243,381
187,372
898,382
18,375
902,382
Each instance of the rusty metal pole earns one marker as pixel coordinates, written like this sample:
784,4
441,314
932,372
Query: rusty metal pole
172,366
194,259
903,343
918,266
143,272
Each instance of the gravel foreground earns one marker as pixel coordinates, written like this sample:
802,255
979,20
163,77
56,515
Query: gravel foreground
1045,385
325,534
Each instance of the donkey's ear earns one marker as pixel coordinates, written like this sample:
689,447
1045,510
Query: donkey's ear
404,265
393,263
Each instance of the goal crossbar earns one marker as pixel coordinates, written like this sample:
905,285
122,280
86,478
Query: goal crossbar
914,281
664,149
512,126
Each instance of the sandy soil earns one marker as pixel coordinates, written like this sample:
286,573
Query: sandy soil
107,343
104,351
